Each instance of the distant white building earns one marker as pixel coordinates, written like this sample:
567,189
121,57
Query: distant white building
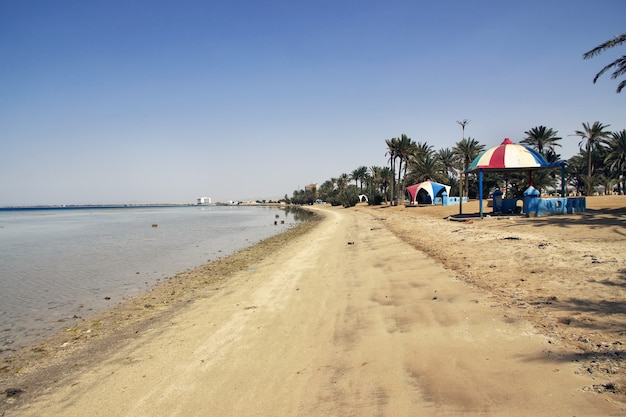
203,201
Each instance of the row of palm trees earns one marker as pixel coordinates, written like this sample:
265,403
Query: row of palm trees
418,161
600,161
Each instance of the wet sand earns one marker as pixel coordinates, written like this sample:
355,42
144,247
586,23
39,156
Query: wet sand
375,311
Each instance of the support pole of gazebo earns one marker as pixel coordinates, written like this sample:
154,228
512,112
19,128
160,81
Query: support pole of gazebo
563,181
480,192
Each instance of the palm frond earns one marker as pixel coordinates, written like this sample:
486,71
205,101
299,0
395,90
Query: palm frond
619,64
618,40
621,67
603,70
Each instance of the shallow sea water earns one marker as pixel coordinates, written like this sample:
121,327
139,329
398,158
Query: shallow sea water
59,263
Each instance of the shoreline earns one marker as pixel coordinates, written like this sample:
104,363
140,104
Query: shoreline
66,263
135,205
100,332
320,318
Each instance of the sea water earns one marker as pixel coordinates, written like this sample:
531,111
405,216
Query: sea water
58,264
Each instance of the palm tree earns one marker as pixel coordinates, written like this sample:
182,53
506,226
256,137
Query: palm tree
448,161
393,151
467,150
366,180
576,172
542,139
594,136
354,176
619,64
386,178
406,148
422,149
419,152
342,182
326,190
427,166
381,178
359,175
616,157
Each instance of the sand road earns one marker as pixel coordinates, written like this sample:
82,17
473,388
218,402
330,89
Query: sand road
347,321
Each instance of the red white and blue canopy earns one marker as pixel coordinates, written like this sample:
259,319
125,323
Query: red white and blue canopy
510,156
507,156
432,189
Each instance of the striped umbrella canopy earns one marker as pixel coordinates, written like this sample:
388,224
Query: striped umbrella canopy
509,155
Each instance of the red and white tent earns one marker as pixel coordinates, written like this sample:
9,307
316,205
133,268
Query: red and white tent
429,189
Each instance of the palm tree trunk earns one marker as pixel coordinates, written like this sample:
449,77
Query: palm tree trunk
589,160
466,185
393,180
398,192
406,164
589,169
465,164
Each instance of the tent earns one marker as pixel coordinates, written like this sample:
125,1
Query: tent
510,156
426,192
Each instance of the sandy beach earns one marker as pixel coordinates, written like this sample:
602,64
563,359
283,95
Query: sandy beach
387,311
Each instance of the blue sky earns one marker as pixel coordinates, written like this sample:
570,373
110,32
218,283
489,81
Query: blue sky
167,101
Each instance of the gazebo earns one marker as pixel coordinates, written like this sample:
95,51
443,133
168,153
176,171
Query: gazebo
510,156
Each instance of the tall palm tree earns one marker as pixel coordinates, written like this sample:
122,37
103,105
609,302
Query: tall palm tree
386,178
366,180
576,172
542,139
593,136
616,157
424,163
406,148
374,183
426,166
422,149
354,176
363,176
619,64
467,150
342,181
359,175
448,161
326,190
393,149
381,178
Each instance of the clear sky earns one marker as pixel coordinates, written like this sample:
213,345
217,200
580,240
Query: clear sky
167,101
